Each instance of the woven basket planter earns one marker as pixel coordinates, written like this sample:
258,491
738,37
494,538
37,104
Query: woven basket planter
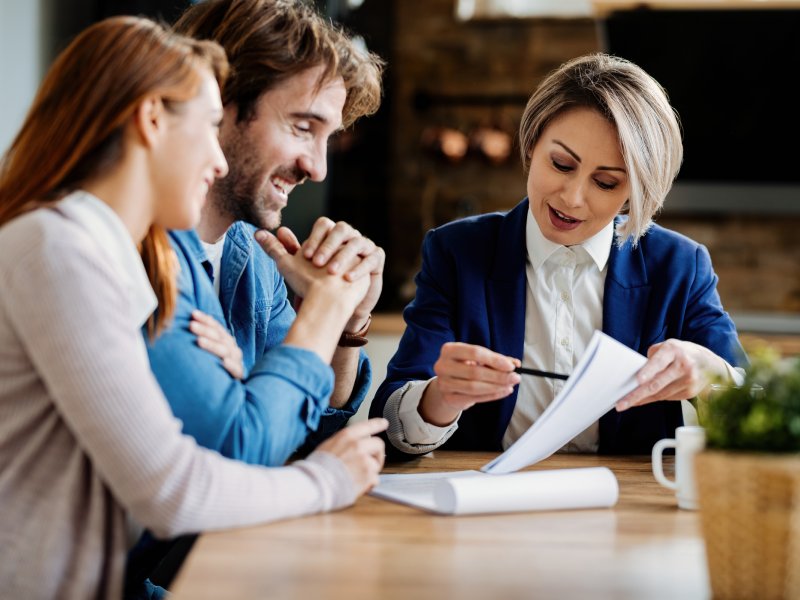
750,516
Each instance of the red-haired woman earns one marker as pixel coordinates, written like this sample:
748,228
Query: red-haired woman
119,145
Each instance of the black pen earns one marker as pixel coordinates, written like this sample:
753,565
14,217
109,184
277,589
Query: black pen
538,373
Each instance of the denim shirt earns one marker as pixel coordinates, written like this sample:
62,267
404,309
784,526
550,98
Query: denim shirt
282,401
279,406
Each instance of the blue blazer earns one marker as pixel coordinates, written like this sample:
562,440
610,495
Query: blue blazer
471,288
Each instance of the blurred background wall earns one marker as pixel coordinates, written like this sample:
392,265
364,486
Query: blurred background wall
443,145
22,58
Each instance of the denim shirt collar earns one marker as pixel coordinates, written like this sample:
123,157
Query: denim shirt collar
195,246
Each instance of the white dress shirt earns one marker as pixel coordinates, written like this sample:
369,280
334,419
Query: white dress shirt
560,279
563,308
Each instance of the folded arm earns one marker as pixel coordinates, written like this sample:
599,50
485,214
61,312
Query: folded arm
262,418
100,383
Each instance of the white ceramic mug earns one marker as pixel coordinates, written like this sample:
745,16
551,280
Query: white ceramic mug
689,440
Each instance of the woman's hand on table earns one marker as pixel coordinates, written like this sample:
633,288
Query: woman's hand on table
361,452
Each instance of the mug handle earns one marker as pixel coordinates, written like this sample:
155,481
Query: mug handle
658,467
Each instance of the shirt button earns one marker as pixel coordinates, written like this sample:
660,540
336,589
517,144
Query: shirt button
564,296
564,342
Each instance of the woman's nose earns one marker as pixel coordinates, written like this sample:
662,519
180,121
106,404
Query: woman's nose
573,193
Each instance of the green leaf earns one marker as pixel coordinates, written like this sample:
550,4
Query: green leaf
763,414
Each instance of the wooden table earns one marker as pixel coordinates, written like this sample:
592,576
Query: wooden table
645,547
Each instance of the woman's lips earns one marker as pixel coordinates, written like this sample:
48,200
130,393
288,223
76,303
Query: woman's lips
562,223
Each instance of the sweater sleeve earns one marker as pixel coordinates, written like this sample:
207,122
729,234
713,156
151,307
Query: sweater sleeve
71,314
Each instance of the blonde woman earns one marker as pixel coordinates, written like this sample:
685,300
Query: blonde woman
601,146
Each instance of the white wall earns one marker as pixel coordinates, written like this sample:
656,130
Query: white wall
21,58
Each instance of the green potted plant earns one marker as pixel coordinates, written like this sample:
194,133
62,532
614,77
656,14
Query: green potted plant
748,481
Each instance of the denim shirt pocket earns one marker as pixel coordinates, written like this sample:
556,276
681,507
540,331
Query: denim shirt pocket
261,313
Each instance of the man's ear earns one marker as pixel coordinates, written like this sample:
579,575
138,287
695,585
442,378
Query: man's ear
149,120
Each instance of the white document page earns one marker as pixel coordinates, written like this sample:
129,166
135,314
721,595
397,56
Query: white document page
604,374
473,492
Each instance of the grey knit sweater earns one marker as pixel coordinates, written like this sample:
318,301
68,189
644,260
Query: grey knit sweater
86,436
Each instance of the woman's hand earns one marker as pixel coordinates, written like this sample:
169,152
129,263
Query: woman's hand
465,375
675,370
214,338
361,452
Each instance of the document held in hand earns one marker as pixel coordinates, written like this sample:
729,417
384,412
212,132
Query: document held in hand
604,374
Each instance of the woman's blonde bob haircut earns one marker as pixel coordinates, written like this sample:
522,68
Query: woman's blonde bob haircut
636,104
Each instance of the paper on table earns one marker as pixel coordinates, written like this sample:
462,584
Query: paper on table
416,489
472,492
604,374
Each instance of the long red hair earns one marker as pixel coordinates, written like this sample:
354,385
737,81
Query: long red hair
73,130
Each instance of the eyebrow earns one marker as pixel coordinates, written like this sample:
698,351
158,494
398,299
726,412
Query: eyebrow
578,158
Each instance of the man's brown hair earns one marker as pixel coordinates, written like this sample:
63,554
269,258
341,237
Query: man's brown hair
269,41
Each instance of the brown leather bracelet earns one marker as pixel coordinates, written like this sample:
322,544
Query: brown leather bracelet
357,339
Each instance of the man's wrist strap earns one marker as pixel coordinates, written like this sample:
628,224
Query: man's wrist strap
357,339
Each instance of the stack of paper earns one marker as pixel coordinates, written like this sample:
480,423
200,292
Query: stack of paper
473,492
605,373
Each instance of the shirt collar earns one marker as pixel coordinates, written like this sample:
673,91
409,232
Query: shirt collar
540,249
107,229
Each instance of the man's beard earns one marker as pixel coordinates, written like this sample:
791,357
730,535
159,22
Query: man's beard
243,195
240,197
